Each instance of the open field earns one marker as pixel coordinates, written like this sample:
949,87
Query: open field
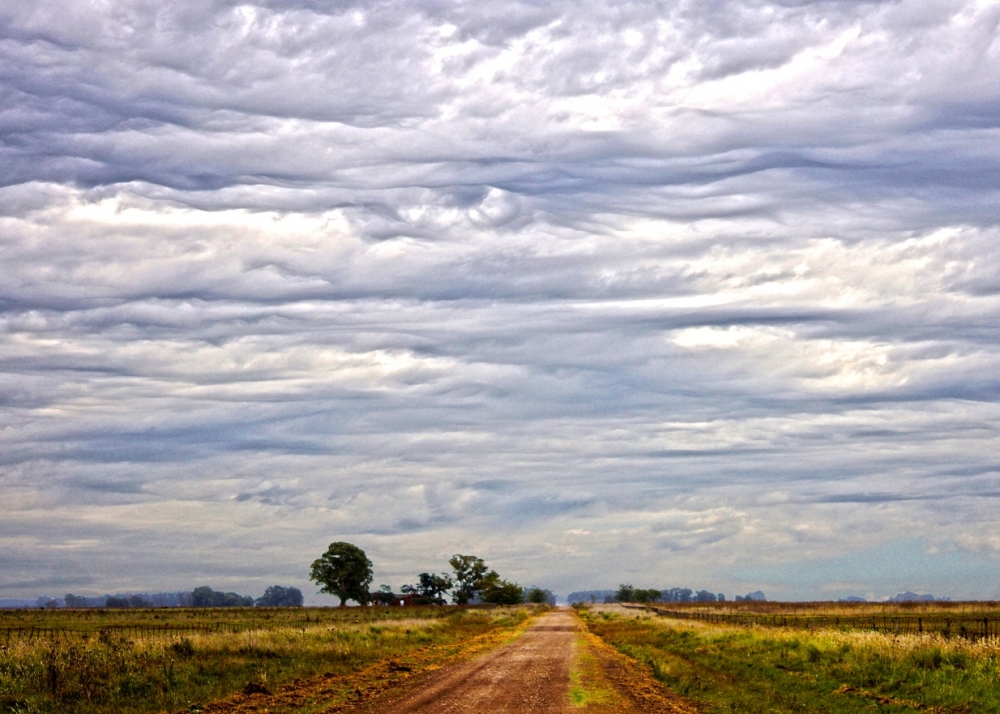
102,661
734,668
20,625
553,667
970,620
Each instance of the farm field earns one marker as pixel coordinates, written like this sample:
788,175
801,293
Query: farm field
727,667
970,620
103,661
555,667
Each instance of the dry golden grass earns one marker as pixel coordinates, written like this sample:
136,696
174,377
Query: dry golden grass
96,672
729,668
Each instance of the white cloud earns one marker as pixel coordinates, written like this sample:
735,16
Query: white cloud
602,288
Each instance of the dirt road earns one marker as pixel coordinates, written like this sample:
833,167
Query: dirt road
553,668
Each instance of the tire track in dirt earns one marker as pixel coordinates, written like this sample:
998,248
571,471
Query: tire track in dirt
533,674
554,667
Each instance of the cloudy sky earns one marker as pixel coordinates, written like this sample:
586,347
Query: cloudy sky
682,293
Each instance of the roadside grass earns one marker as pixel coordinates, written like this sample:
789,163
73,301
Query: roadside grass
99,672
93,620
753,669
935,608
588,685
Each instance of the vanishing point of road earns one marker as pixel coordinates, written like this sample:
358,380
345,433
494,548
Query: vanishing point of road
553,668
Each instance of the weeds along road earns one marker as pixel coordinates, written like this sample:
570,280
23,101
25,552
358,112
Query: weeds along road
554,667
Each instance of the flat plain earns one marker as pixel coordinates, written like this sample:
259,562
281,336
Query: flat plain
755,662
598,659
103,661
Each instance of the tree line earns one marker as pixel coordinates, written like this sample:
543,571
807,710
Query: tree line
627,593
346,572
202,596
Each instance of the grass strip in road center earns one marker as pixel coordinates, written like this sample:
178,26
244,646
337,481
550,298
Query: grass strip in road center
334,692
589,688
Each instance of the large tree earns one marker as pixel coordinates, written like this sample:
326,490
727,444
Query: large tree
497,591
470,573
626,593
345,571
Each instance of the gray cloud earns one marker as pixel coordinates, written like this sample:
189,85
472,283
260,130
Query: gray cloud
585,289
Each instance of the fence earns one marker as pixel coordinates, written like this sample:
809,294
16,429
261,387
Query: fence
972,628
52,634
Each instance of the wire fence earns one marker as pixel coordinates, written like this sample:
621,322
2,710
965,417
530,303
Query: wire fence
967,627
9,635
335,617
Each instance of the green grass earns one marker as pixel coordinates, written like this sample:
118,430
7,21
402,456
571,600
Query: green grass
91,671
971,620
96,619
587,684
754,669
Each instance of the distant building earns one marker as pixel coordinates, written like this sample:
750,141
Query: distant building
387,599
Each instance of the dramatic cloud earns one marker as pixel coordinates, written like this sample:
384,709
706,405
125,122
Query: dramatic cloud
682,294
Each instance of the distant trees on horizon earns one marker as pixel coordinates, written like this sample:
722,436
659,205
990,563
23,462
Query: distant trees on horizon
627,593
202,596
473,582
345,571
278,596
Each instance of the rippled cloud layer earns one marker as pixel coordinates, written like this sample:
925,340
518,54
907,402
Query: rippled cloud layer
696,294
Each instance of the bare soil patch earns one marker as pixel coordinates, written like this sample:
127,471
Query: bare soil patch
553,667
534,674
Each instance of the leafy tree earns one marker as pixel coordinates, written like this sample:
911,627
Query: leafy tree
498,591
625,593
75,601
345,571
278,596
204,596
431,588
677,595
537,596
645,595
469,574
115,601
704,596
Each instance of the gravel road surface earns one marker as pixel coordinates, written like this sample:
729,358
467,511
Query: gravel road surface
530,675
